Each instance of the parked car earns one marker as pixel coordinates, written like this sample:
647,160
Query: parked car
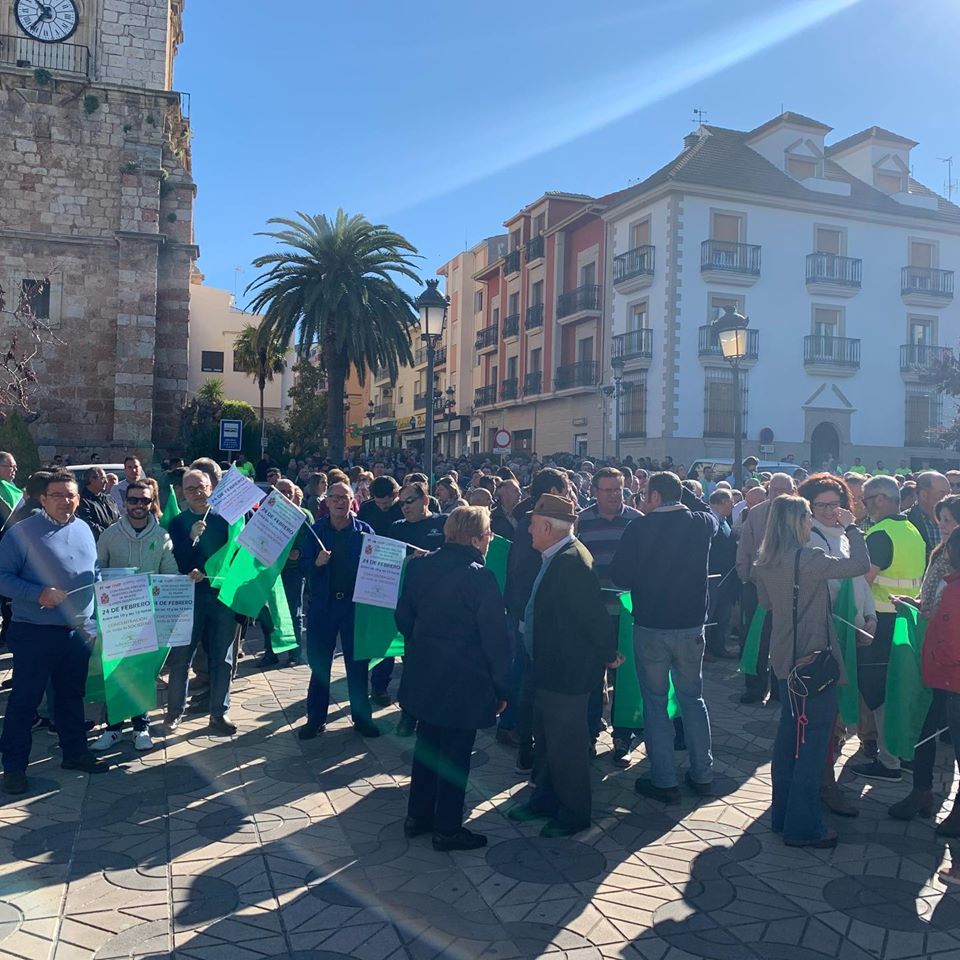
79,469
723,468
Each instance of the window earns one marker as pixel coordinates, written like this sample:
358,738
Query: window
633,406
719,410
829,240
588,274
400,395
580,445
539,222
922,254
211,361
717,304
523,440
536,360
827,321
801,168
726,226
513,366
513,308
637,317
237,367
923,416
477,301
888,182
585,350
496,315
36,297
921,332
515,240
640,234
536,294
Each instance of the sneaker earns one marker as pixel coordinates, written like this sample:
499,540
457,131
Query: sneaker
142,740
667,795
293,661
268,660
875,770
171,723
524,760
869,748
463,839
106,740
620,755
222,726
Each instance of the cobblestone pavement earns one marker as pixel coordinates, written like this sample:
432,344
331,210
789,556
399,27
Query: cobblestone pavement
265,847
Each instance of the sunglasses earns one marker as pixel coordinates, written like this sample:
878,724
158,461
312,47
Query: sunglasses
340,498
410,500
140,501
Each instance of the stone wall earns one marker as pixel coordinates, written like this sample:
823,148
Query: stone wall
132,45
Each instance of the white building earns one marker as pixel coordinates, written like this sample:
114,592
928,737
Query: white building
844,265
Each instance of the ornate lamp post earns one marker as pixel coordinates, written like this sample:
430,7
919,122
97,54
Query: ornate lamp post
370,414
731,331
448,414
432,307
617,364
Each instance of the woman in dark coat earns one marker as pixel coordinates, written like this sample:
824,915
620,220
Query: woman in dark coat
456,672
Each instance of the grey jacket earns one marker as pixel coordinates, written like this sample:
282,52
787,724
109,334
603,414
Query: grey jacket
149,550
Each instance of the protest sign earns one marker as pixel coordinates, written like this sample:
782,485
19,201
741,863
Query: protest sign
173,608
234,496
378,576
272,528
125,617
117,573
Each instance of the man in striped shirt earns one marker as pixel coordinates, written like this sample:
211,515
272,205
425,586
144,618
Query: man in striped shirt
599,528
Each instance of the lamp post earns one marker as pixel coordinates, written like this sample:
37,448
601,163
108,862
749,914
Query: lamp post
370,414
448,406
432,307
617,364
731,331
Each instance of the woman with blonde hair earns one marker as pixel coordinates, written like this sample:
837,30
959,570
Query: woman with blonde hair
793,582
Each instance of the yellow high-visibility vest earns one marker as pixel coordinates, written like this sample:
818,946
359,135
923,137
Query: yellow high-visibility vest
905,574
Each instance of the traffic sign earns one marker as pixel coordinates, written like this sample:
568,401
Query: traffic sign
501,441
231,435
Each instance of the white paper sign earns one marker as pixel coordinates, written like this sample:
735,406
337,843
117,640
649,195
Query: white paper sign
270,530
172,608
116,573
234,496
378,576
125,615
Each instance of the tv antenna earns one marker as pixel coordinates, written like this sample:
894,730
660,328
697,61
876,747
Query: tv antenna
699,115
951,183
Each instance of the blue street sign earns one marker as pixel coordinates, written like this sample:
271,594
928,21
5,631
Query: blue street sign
231,434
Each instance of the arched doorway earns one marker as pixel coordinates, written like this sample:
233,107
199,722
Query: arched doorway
824,445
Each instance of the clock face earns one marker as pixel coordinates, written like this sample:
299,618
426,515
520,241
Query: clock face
49,22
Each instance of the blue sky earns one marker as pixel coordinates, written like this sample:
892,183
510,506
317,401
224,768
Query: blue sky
442,119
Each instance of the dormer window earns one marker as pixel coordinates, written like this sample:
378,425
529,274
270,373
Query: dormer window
803,160
801,168
889,183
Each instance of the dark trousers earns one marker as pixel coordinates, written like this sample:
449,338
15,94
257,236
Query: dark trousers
381,675
139,723
6,611
944,712
337,620
438,784
561,757
721,609
523,716
214,626
798,774
40,654
508,719
873,662
758,685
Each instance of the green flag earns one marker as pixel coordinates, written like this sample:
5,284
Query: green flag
907,700
247,586
845,608
10,493
171,510
496,560
278,621
627,698
751,646
375,633
219,560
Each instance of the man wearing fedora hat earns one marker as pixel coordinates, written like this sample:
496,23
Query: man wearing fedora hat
568,636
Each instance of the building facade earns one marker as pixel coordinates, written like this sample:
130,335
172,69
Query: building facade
844,265
96,220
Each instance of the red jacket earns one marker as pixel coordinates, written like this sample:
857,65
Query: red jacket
941,643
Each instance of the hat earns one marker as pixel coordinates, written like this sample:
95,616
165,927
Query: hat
557,508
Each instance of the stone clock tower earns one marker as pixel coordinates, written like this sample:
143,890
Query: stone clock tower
96,196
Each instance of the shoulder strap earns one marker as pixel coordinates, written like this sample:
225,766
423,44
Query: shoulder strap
796,601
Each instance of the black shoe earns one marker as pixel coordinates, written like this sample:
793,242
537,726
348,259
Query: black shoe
198,706
524,760
309,730
380,698
526,814
463,839
667,795
406,727
557,829
222,726
700,789
14,783
827,843
508,738
875,770
85,763
869,749
750,697
414,826
171,723
366,728
269,660
620,754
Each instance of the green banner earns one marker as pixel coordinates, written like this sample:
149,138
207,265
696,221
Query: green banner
126,686
907,699
751,646
627,698
496,560
246,586
171,510
219,560
276,620
845,609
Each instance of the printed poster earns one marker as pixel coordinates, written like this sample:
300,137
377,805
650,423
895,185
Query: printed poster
172,608
234,496
125,616
378,576
270,530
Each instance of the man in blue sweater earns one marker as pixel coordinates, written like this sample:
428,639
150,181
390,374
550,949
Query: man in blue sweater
48,565
663,557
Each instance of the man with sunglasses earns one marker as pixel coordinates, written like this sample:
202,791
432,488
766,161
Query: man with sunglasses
139,541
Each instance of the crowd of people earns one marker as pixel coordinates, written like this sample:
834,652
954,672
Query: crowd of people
537,655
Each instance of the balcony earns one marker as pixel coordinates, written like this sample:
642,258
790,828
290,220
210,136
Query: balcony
384,411
635,345
485,396
922,359
511,262
381,373
419,401
68,58
831,355
487,337
534,320
926,286
633,270
533,383
708,346
509,389
580,300
583,374
733,263
511,326
534,248
439,356
419,356
833,275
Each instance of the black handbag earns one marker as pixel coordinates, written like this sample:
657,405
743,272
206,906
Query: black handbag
819,671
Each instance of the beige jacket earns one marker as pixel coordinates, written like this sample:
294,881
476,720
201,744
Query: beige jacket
751,536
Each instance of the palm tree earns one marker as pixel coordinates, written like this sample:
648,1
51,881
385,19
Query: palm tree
262,358
334,285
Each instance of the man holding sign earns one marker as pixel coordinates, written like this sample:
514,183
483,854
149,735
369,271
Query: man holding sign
48,565
329,562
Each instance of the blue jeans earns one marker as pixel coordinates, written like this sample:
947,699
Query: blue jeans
660,654
798,774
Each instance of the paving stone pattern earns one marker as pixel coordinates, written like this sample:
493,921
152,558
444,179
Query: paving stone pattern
261,846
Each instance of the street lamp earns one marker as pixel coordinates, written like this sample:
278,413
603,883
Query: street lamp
370,414
432,307
448,415
731,329
617,363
